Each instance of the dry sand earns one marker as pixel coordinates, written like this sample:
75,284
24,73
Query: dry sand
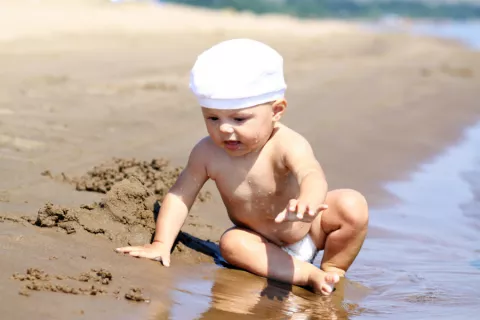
82,82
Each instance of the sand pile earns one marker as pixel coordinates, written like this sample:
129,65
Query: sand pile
126,216
157,175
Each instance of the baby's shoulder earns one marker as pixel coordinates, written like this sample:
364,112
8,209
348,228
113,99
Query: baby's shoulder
204,143
204,150
204,147
286,138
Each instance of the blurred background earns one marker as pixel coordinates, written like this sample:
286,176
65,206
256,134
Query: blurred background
347,9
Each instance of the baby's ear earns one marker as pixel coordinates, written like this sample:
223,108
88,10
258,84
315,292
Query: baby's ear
278,108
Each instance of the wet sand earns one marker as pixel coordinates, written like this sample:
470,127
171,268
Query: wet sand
83,83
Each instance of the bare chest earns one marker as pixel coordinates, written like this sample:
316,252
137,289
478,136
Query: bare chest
261,183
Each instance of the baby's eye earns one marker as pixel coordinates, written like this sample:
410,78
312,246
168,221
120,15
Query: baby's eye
213,118
239,119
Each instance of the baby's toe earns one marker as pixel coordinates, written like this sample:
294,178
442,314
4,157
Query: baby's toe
330,280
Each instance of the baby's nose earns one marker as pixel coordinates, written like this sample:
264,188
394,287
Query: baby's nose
226,128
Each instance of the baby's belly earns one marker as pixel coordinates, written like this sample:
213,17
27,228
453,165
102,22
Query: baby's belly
284,233
279,233
257,210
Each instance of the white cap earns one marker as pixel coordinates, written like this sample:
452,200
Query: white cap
238,73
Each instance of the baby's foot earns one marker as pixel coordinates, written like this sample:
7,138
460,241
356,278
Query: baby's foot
322,282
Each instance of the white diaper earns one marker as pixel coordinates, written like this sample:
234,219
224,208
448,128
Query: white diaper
304,250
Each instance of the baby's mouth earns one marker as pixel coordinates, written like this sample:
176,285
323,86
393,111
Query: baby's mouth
231,144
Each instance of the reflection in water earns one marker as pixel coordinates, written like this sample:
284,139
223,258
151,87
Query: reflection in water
423,263
235,294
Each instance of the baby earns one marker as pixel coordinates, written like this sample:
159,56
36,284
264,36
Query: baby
272,186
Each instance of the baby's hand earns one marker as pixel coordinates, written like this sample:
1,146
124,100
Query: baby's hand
155,251
298,210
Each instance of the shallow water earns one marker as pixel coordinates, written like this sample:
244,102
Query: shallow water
430,242
466,32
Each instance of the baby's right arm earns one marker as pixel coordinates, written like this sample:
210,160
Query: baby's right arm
175,207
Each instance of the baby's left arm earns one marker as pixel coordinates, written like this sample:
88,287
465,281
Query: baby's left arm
300,159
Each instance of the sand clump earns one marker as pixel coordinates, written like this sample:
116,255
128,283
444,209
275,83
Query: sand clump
102,276
93,282
38,280
136,294
156,175
4,218
125,216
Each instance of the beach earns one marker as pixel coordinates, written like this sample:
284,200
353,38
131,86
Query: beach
93,92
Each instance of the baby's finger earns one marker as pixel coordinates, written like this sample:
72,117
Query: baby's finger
292,205
322,207
301,209
125,249
137,253
281,216
166,261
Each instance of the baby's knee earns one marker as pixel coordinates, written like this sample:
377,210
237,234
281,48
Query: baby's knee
230,242
353,208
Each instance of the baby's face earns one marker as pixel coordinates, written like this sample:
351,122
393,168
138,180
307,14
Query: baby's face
240,131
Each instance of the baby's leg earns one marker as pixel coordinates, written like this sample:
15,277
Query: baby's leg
341,229
248,250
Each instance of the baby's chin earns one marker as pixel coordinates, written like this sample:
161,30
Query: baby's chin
236,149
237,152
